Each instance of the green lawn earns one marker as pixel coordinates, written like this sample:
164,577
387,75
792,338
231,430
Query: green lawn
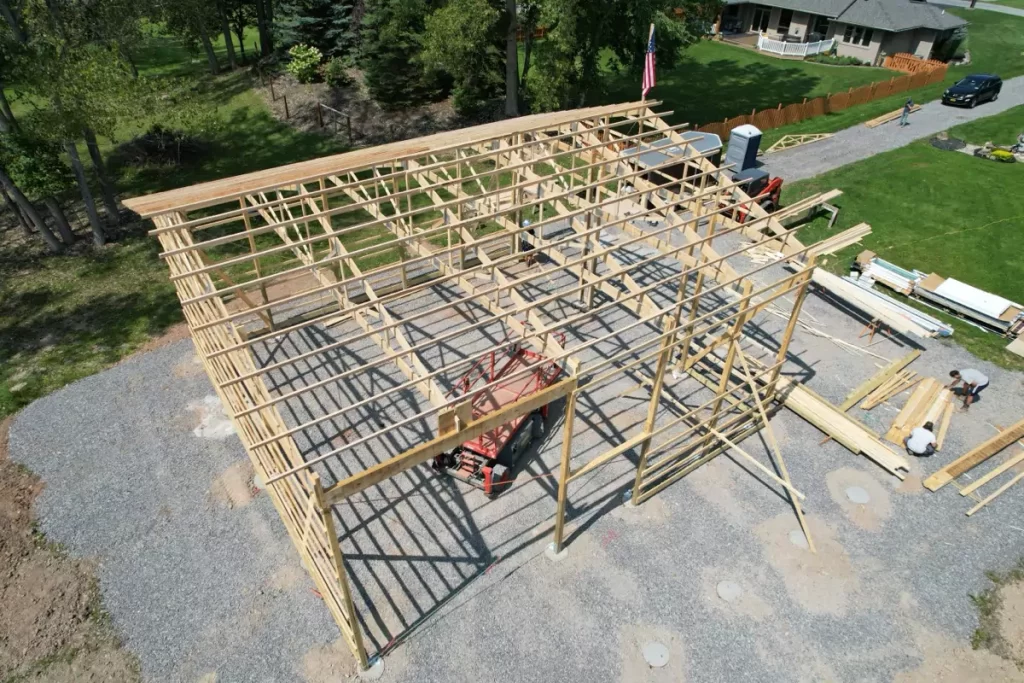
1019,4
66,317
997,46
942,212
716,80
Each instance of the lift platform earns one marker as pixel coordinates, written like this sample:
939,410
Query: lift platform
488,462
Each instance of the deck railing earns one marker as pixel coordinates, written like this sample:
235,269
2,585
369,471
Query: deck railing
780,47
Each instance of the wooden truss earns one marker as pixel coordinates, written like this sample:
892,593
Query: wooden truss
429,256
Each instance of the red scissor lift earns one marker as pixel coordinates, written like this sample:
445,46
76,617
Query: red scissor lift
488,461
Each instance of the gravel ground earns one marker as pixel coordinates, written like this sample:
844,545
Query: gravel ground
859,142
199,577
991,6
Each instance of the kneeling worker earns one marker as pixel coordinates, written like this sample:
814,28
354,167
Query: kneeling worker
973,382
921,441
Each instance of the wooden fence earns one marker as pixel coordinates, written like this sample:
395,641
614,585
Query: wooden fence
766,119
909,64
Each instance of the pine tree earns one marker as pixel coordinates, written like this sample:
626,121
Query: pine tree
323,24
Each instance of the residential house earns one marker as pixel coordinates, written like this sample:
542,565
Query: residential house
865,29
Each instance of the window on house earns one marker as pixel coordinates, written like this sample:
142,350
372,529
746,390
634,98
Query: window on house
858,35
820,26
785,19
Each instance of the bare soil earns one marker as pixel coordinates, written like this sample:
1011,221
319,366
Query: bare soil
52,625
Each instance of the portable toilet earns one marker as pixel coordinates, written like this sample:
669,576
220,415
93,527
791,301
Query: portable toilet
744,142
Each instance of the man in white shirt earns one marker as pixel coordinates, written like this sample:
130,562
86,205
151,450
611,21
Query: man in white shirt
921,441
973,382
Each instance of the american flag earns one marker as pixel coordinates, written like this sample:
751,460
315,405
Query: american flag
649,81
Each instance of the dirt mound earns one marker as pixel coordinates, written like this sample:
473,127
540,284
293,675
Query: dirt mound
52,626
947,143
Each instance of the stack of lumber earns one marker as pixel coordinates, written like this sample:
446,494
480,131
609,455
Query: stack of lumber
841,240
882,378
891,116
975,457
930,402
877,306
891,388
841,427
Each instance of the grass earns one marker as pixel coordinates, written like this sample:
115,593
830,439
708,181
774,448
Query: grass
996,44
714,81
66,317
1019,4
987,635
943,212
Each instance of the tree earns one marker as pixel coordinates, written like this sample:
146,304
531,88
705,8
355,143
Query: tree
35,166
241,13
391,40
461,39
191,20
264,23
567,65
324,24
225,27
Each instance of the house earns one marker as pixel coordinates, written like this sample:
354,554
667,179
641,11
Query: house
866,29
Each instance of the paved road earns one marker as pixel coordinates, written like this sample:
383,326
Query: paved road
991,6
859,142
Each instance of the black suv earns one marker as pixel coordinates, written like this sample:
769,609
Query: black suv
973,89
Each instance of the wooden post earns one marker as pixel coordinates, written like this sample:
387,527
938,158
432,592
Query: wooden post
348,126
563,476
319,116
667,345
273,95
339,568
286,114
798,302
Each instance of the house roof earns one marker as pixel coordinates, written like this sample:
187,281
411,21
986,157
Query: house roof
885,15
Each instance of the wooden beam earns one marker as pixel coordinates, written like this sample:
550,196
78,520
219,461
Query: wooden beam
424,452
975,456
877,380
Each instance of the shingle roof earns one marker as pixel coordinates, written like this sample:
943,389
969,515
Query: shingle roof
886,15
899,15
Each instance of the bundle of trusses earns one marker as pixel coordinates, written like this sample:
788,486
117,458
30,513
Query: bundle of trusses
338,303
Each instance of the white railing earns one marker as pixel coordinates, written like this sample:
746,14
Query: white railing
785,49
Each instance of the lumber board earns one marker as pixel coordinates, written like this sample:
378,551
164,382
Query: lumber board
947,415
975,456
996,471
425,451
841,427
995,494
878,379
891,116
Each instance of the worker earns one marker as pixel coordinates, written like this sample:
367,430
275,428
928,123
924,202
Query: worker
922,441
526,244
973,382
907,106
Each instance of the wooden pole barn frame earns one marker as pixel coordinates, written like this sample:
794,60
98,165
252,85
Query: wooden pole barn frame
537,225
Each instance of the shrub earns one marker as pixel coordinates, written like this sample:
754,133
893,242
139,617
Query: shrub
304,63
836,60
160,145
335,72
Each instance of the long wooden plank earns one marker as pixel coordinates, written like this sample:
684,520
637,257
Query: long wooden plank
425,451
975,457
996,471
879,378
995,494
947,415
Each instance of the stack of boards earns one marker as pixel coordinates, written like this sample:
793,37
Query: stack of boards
975,457
891,388
930,402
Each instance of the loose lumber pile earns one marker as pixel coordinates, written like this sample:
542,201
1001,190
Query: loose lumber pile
883,378
897,316
844,429
975,457
891,116
930,402
892,387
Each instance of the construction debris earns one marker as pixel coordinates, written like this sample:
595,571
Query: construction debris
892,388
926,404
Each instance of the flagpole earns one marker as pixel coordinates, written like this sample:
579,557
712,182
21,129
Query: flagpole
643,96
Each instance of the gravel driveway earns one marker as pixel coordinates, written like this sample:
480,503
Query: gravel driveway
859,142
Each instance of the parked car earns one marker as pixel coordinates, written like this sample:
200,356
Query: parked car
973,89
